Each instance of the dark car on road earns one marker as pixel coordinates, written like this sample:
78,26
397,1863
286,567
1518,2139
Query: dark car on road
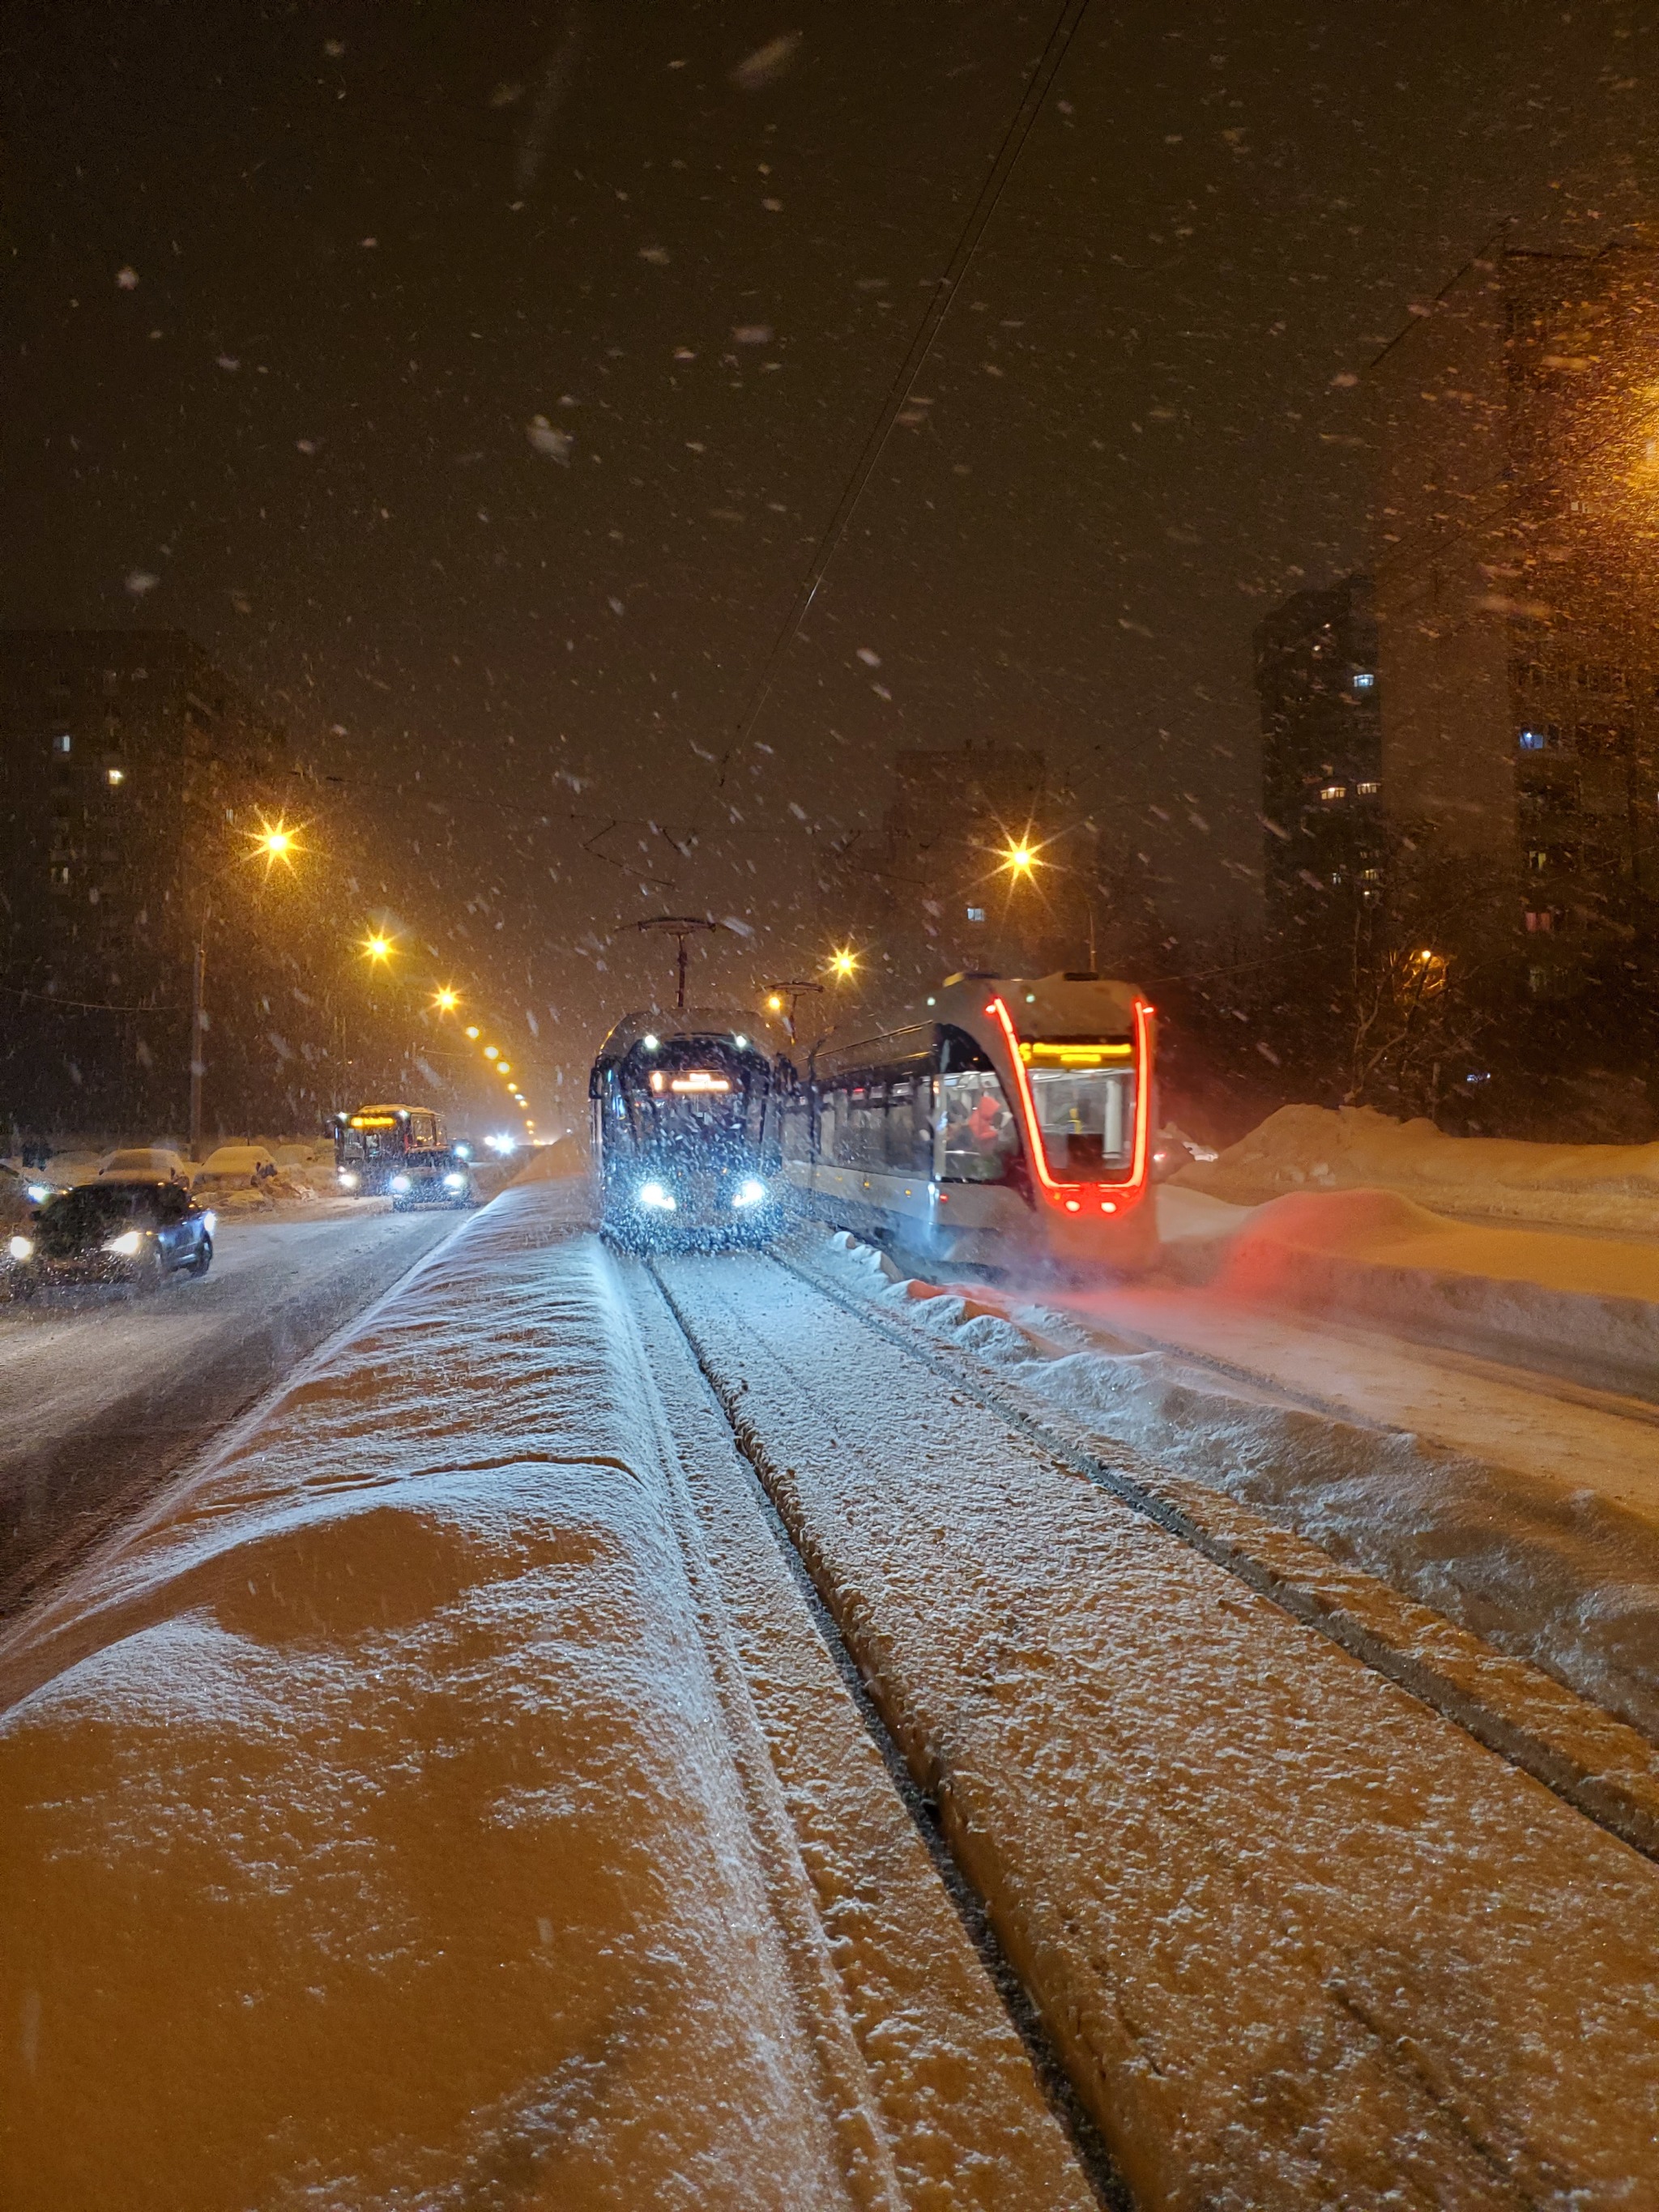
441,1178
137,1229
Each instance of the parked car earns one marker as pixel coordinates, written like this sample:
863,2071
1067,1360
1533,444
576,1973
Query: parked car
134,1229
150,1159
433,1179
238,1167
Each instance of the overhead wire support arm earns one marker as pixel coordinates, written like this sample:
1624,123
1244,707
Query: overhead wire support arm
944,289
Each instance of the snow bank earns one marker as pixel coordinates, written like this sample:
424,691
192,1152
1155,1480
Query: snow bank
1589,1302
371,1826
1314,1148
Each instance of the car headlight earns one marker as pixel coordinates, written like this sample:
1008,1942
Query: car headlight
399,1182
210,1220
463,1151
20,1247
126,1243
348,1179
751,1192
653,1195
454,1183
40,1192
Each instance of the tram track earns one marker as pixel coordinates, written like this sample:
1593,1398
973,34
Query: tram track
771,1338
1524,1717
1087,2144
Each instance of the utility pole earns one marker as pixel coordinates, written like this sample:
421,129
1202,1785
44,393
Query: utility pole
198,1036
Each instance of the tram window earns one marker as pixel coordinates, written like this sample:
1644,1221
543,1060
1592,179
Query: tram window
1086,1115
981,1135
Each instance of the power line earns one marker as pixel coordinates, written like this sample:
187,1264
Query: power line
991,192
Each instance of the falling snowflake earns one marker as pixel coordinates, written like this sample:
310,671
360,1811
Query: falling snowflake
127,279
752,334
767,62
657,255
555,444
140,581
871,659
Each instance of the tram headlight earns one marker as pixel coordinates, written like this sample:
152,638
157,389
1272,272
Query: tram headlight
20,1247
399,1183
454,1183
751,1192
653,1196
348,1179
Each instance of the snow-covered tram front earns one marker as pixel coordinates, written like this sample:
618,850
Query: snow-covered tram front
1012,1121
685,1129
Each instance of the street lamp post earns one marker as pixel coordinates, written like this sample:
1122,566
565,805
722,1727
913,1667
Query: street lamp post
274,841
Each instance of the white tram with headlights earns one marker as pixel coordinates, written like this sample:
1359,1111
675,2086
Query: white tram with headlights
686,1129
1010,1121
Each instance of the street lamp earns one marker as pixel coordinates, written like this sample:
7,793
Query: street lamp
1020,863
492,1052
446,1001
843,964
377,947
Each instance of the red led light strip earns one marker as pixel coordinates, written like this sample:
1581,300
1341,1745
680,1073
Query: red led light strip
1058,1192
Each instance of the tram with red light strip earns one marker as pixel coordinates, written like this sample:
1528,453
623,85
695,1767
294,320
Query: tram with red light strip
1012,1122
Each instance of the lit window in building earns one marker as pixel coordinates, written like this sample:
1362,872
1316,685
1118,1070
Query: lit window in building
1370,875
1363,679
976,913
1532,741
1330,790
1368,790
62,741
115,775
1544,919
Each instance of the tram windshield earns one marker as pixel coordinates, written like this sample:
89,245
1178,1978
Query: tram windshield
1086,1117
693,1090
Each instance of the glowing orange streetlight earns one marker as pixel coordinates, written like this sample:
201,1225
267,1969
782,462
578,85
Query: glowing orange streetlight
473,1032
377,947
1019,860
843,964
492,1052
445,999
273,841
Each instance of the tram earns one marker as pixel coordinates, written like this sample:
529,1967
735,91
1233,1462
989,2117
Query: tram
686,1133
1011,1123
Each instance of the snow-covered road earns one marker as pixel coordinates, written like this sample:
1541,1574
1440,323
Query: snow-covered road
103,1393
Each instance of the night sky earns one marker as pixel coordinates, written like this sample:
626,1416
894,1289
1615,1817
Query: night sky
474,381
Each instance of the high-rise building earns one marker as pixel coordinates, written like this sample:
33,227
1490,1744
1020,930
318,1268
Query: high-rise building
1517,599
126,760
1322,768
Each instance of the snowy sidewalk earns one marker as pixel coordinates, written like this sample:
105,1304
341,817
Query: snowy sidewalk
387,1820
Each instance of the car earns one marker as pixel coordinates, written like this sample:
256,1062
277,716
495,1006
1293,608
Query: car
150,1159
433,1179
137,1229
238,1167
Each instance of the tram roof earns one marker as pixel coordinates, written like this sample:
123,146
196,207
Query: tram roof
724,1024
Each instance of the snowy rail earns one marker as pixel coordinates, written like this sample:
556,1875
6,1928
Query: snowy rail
1301,1938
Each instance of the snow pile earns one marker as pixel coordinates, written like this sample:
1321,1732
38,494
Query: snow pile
1314,1148
1550,1570
372,1830
1590,1302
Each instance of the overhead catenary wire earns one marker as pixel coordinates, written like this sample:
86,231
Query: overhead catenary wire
903,384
